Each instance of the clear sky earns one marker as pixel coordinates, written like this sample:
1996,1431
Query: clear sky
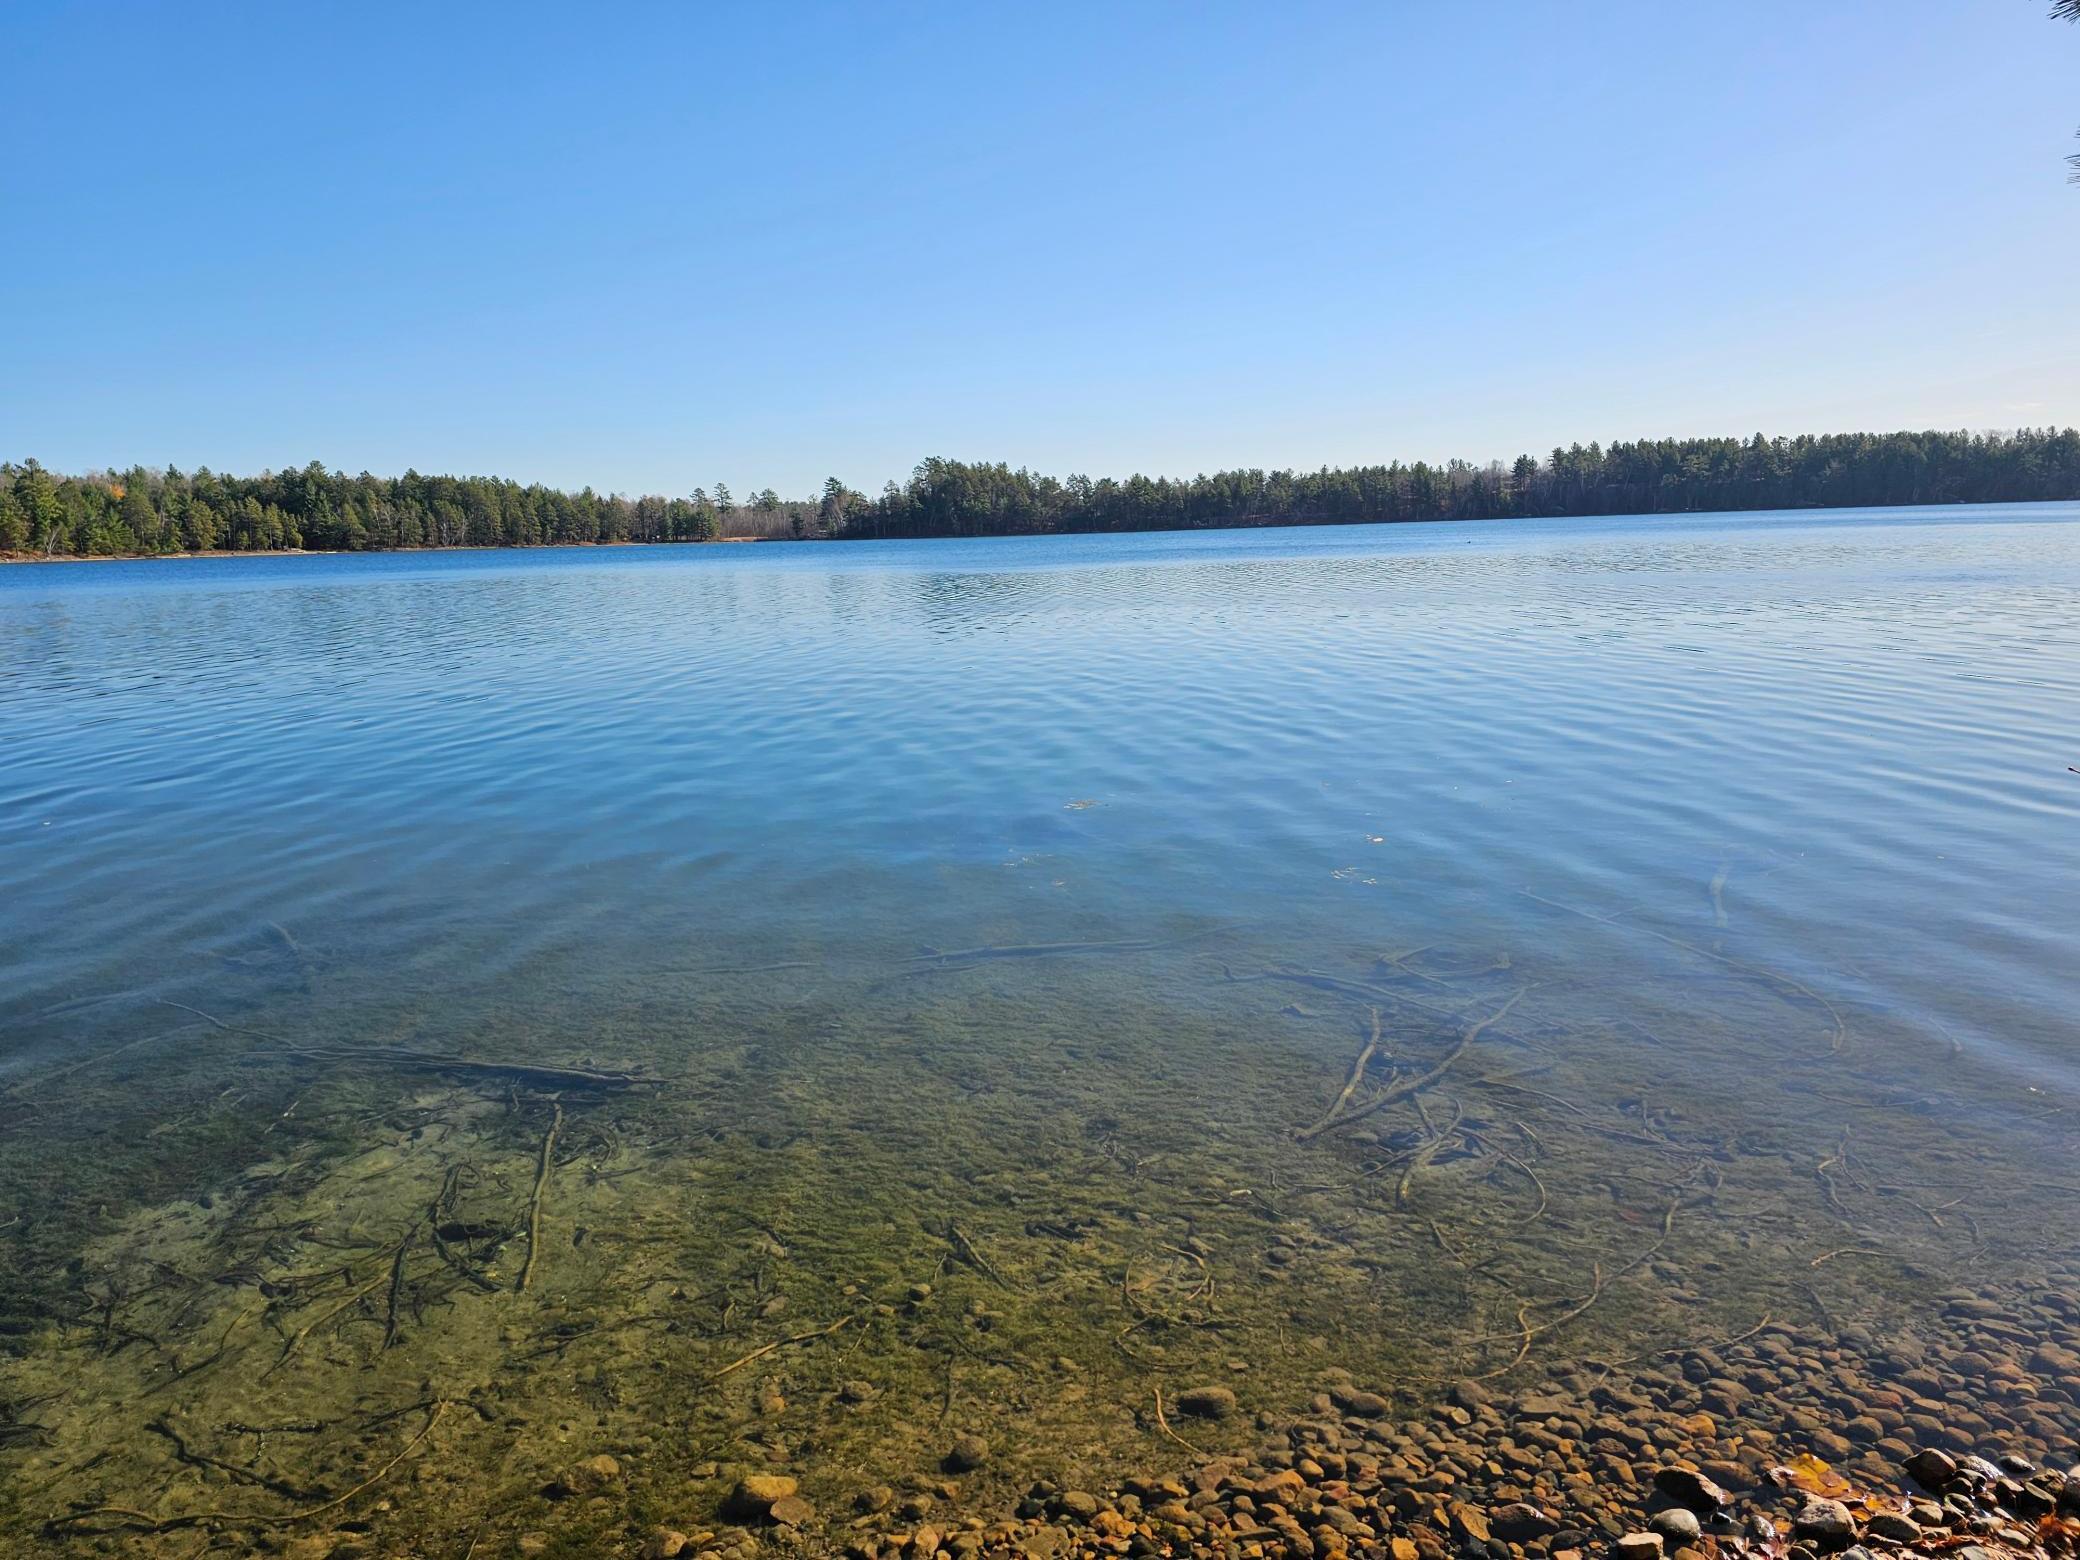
645,247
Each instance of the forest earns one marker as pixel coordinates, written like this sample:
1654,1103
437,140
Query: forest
147,512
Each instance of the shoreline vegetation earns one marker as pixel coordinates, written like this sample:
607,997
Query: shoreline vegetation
141,513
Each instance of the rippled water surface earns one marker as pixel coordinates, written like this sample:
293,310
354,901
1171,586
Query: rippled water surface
1005,917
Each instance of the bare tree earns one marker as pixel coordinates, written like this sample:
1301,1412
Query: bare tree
2068,11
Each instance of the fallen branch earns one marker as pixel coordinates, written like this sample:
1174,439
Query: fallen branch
1350,1086
1407,1086
1425,1154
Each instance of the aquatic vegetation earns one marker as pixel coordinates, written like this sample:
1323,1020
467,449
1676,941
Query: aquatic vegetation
1038,1199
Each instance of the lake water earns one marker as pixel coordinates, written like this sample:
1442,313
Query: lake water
1002,919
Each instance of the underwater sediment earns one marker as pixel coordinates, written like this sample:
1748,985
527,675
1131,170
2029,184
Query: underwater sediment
1101,1244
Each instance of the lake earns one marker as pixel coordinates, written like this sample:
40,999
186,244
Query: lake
1010,978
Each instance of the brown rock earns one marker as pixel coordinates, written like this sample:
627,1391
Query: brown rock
1890,1524
967,1452
1825,1524
1469,1522
1519,1522
1932,1469
1690,1489
585,1478
754,1496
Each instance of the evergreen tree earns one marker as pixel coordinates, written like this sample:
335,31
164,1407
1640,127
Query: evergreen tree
14,522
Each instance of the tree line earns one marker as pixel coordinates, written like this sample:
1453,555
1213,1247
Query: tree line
143,511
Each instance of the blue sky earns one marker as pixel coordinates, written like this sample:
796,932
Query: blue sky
645,247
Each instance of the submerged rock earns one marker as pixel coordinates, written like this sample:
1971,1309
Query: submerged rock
755,1495
1890,1524
1206,1402
1365,1405
1678,1526
1825,1524
967,1452
584,1478
1932,1469
1690,1489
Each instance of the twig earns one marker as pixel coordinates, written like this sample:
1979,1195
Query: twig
187,1454
93,1061
211,1018
1847,1251
258,1518
1595,1294
954,956
1163,1425
968,1253
1684,1348
427,1061
781,1343
534,1206
396,1291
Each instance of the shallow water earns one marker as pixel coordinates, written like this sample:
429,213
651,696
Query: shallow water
999,917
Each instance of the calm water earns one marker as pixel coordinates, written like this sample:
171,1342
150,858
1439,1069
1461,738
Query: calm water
456,766
1764,822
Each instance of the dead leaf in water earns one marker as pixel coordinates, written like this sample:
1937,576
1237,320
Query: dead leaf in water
1807,1472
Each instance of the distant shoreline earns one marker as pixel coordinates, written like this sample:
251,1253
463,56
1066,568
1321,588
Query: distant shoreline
351,552
7,558
148,513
